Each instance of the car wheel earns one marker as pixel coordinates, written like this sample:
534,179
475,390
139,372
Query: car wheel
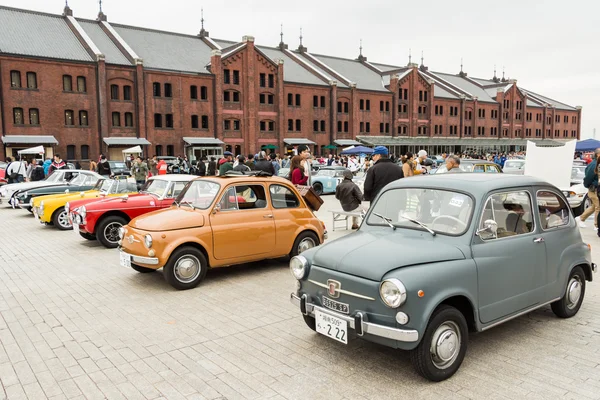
306,240
442,349
60,219
318,187
143,270
107,231
186,267
583,206
570,303
310,322
87,236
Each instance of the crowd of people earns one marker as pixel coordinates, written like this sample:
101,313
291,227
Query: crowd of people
18,171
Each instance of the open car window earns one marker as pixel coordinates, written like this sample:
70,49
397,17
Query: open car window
244,197
512,213
553,211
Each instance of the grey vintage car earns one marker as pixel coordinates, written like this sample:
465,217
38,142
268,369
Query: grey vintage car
439,256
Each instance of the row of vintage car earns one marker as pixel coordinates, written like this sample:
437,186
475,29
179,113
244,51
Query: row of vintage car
435,258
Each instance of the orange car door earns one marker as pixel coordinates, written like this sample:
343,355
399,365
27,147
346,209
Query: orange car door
288,212
242,224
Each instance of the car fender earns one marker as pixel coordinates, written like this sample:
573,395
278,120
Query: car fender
201,236
438,282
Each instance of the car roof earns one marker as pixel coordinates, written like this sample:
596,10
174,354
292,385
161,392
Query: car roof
474,161
332,167
477,184
173,177
245,179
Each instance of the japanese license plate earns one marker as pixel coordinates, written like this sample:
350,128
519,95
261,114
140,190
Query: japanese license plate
125,259
335,305
332,327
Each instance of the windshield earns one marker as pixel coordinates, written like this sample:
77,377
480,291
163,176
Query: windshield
117,165
199,194
463,167
80,180
156,187
442,211
329,172
577,173
101,183
56,176
514,164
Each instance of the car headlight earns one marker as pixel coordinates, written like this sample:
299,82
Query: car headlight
148,241
299,267
41,208
392,292
82,212
121,233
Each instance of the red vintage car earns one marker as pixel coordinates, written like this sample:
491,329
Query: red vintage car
101,219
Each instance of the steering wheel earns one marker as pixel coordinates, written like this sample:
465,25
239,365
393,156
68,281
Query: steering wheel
451,218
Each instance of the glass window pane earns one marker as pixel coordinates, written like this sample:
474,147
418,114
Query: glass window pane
553,211
282,197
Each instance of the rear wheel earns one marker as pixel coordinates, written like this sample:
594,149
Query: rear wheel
60,219
318,187
87,236
107,231
186,267
306,240
570,303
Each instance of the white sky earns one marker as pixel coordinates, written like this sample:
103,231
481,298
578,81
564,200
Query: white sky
550,47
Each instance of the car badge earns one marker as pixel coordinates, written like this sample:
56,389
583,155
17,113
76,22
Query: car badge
333,288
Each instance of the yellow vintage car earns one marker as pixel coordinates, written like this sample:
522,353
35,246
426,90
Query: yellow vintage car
51,209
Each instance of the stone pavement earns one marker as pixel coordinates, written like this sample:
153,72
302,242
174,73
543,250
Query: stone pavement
75,325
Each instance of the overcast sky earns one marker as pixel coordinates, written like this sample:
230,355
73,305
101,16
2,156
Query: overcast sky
550,47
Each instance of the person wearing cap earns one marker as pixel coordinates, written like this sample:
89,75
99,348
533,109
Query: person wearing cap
421,157
263,164
241,166
350,196
381,173
304,152
226,163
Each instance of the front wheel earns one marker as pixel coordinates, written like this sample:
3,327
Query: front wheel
318,187
304,241
570,303
60,219
444,345
107,231
186,267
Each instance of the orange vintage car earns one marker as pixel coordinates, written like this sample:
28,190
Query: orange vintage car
217,222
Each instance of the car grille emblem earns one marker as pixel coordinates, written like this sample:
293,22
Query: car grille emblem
333,288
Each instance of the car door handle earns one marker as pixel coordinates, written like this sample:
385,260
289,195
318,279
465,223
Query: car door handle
538,240
268,216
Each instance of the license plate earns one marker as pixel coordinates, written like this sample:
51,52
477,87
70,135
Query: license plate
125,259
335,305
332,327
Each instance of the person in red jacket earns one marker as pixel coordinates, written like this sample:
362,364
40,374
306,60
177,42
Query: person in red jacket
297,171
162,167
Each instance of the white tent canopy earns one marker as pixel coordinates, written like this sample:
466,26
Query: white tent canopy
133,150
32,150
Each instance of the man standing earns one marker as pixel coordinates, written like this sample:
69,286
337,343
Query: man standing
212,167
153,166
591,183
381,173
330,160
104,167
226,163
419,168
58,163
250,162
453,163
275,162
15,171
353,164
304,152
350,197
37,171
241,166
201,166
139,170
263,164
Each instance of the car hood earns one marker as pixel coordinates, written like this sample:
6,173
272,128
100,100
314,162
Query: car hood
118,203
372,255
64,197
62,188
169,219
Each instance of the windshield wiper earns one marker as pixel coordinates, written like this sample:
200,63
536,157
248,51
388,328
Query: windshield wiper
386,219
422,225
188,203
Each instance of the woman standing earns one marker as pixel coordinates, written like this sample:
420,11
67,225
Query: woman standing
408,166
297,171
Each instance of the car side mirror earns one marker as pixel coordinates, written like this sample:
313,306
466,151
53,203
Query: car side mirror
489,226
217,208
124,198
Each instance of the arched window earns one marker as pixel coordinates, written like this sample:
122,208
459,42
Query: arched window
69,118
116,119
156,89
114,92
81,84
18,116
83,118
31,80
128,119
159,150
170,150
70,152
34,116
85,152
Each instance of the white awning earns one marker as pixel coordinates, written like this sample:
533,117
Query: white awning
126,141
33,150
294,142
347,142
133,150
29,139
203,140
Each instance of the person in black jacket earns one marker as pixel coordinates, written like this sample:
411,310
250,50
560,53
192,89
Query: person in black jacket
212,167
263,164
104,167
350,197
381,173
201,166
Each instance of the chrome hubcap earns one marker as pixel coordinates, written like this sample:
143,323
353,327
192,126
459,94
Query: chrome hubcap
187,269
111,232
63,220
305,244
445,345
573,292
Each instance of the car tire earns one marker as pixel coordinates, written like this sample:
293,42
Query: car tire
579,210
318,187
60,219
310,322
186,267
304,241
443,346
141,269
107,231
87,236
570,303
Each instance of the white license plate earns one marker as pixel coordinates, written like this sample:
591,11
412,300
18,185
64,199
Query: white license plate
125,259
332,327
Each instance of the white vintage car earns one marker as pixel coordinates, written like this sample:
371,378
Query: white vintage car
576,194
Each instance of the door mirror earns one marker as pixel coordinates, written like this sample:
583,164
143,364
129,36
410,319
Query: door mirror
124,198
490,227
217,208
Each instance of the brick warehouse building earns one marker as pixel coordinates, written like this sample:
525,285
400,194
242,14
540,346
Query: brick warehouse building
81,87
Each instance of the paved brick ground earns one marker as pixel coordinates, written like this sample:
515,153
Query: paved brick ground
76,325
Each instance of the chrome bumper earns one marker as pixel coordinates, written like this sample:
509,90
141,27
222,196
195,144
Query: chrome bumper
142,260
401,335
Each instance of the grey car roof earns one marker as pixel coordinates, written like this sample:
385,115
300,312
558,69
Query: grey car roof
292,70
166,50
39,34
355,71
105,44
